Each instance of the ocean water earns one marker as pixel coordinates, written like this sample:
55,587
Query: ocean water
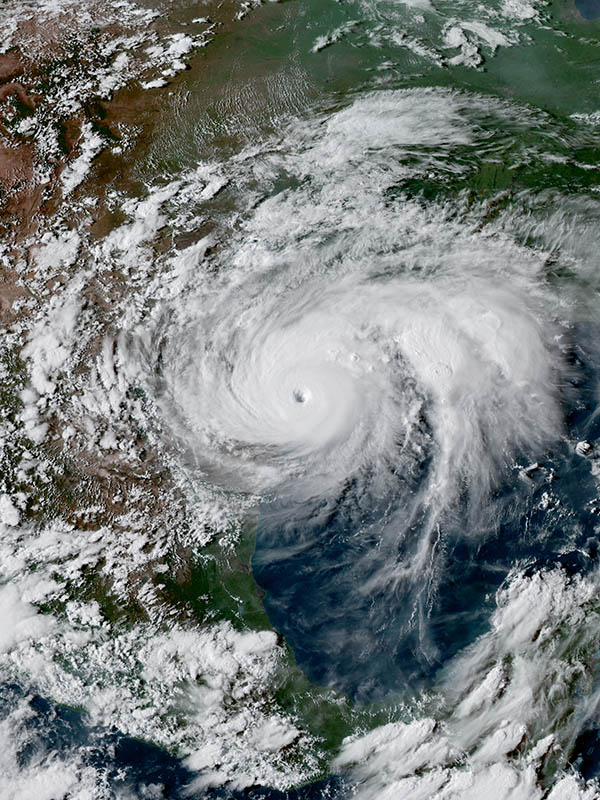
588,9
300,429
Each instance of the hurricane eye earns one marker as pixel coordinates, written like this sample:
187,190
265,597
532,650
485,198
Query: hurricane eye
300,396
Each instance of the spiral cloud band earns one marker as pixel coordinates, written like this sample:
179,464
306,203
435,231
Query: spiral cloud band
350,329
358,355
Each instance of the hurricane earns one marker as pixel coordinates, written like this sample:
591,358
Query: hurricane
359,334
423,378
371,368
